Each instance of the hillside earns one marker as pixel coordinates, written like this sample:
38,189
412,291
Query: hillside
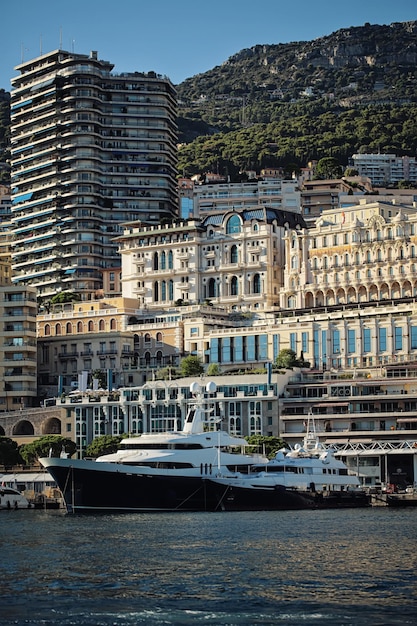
354,90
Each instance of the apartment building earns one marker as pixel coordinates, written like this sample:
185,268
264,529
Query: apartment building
265,192
18,308
90,149
385,169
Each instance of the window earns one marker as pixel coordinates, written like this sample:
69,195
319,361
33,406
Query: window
293,342
256,284
351,341
413,330
398,338
336,342
366,339
234,257
383,339
233,225
304,342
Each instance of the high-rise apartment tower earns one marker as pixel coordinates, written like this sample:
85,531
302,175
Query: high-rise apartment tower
90,150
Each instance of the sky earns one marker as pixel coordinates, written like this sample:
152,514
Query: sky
176,38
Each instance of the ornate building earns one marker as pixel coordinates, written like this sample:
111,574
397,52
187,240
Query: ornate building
235,259
360,254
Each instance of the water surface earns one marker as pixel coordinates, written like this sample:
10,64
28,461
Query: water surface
258,568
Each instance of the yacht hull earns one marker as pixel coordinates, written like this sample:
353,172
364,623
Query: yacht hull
234,498
88,486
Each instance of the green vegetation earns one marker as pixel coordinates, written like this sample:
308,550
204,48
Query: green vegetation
287,359
9,452
265,444
299,133
105,444
49,445
191,366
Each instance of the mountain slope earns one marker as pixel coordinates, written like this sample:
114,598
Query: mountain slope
353,90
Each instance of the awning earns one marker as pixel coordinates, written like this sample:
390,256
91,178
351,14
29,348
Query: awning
406,419
330,404
22,197
20,104
45,83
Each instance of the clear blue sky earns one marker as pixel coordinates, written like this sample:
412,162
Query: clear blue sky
178,38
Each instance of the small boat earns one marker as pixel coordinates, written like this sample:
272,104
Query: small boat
157,471
12,499
309,476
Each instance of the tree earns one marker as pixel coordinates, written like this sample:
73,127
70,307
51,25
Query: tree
328,167
214,369
267,445
65,296
50,445
191,366
9,452
287,359
101,376
106,444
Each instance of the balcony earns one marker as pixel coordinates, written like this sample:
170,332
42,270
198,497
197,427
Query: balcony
68,355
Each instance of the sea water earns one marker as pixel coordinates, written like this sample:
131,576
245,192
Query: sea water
335,567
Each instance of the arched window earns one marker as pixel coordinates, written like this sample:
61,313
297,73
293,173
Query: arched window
90,326
357,258
148,358
155,261
211,288
159,358
112,324
47,329
68,328
158,337
163,260
234,254
294,262
256,288
170,260
147,338
233,225
79,327
325,263
57,329
379,255
234,286
368,256
291,302
163,291
156,291
101,325
171,290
